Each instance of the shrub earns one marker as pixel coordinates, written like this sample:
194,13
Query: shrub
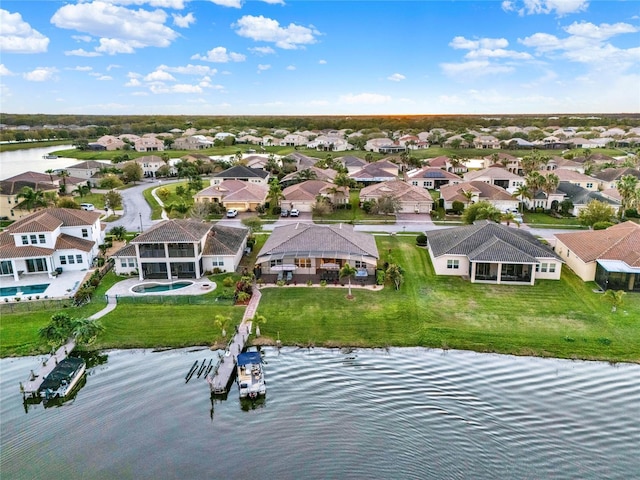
602,225
421,240
228,282
631,213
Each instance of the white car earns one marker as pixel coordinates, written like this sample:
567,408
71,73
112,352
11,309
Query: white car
87,206
294,212
232,212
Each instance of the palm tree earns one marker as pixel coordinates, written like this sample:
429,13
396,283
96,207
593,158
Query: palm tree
220,321
551,183
348,271
394,275
628,187
468,194
304,175
259,320
615,297
82,190
118,232
63,174
32,198
62,327
523,191
275,193
50,171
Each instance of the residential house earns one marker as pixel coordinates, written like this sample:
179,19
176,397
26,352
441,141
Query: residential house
451,165
499,177
330,143
351,163
242,173
192,142
148,144
303,196
610,257
432,178
488,252
580,197
182,249
480,191
380,171
310,249
486,141
249,139
243,196
559,163
11,187
89,171
324,174
571,176
457,141
609,177
294,140
50,239
107,142
150,164
374,144
410,198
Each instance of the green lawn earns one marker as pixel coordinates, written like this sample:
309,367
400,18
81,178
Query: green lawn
533,219
564,319
355,214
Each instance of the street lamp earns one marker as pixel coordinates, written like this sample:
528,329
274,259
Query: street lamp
140,214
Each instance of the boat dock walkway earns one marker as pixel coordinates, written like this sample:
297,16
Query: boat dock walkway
30,387
220,378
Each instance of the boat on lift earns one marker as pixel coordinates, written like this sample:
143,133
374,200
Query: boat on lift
250,378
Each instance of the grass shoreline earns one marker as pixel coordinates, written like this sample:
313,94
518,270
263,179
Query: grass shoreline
560,319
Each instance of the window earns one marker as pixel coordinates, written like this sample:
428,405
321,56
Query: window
359,264
78,258
85,233
543,268
414,183
552,267
273,263
71,260
6,268
33,239
123,263
36,265
25,240
453,264
217,262
132,263
41,238
63,260
589,185
302,262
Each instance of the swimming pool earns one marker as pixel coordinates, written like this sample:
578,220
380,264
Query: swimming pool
159,287
25,290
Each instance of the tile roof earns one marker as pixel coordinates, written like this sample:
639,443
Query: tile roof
307,190
489,242
52,218
611,174
397,189
582,196
13,187
240,171
69,242
494,173
128,250
223,240
236,191
174,231
619,242
310,240
485,191
434,173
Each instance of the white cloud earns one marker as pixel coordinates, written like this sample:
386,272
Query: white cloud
291,67
17,36
80,52
80,69
121,30
134,82
268,30
189,69
274,2
174,4
41,74
396,77
159,76
263,68
365,98
262,50
474,68
497,53
530,7
603,31
112,66
484,43
178,88
81,38
220,55
183,21
228,3
104,77
322,62
4,71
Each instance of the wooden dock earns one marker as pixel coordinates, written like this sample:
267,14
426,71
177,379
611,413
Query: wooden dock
220,378
30,387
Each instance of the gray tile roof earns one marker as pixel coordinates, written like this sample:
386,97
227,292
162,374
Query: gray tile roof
128,250
240,171
582,196
489,242
223,240
306,240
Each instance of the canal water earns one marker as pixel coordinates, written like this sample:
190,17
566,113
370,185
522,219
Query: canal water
30,159
406,413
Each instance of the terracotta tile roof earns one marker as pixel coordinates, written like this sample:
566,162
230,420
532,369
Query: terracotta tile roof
128,250
174,231
236,191
611,174
13,187
52,218
434,173
326,174
484,190
619,242
68,242
397,189
308,190
494,173
9,250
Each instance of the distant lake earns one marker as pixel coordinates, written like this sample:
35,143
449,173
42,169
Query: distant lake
30,159
405,413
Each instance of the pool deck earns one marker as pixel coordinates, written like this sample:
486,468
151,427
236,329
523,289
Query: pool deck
199,287
62,286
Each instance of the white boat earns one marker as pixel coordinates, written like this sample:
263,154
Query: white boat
250,378
49,157
63,378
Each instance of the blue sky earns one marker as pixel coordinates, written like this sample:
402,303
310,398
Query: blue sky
316,57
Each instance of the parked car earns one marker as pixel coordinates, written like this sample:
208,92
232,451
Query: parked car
284,212
87,206
294,212
232,212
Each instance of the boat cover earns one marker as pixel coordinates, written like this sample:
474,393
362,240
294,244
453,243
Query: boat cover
247,358
64,371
